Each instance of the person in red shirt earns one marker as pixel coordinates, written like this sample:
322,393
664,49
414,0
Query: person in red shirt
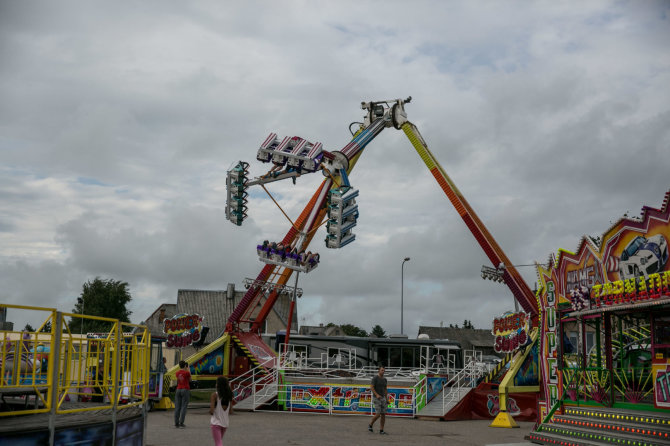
183,394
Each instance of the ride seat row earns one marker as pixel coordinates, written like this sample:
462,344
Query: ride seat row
297,152
278,254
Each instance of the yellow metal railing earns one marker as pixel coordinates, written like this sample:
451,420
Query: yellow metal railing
60,371
24,365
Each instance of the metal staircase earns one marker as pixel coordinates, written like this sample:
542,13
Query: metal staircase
454,391
255,388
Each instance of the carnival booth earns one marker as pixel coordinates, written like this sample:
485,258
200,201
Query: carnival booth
605,324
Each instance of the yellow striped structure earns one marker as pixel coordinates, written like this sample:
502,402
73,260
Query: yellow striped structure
513,279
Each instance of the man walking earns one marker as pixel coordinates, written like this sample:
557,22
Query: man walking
379,392
183,394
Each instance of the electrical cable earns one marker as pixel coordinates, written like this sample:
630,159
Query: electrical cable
280,208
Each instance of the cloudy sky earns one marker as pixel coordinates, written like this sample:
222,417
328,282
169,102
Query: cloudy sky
118,122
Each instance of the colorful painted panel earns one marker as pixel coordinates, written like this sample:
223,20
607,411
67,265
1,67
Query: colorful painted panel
209,364
483,403
435,385
551,377
346,399
529,373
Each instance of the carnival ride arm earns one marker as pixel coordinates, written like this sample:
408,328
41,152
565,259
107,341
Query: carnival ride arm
522,293
312,216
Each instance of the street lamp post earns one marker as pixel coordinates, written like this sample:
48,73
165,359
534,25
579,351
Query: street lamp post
402,290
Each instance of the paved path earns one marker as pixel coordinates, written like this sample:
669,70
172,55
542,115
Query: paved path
277,428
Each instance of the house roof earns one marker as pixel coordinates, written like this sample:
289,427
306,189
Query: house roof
213,305
153,322
467,337
321,330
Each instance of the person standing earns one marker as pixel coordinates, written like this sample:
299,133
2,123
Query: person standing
183,394
379,397
219,408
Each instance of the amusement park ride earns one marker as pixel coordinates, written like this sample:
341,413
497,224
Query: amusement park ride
333,203
621,267
616,290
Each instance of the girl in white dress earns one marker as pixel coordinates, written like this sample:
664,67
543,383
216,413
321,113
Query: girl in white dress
219,409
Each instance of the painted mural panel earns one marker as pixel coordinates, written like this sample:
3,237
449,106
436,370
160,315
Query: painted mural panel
209,364
482,403
435,384
638,250
529,373
351,399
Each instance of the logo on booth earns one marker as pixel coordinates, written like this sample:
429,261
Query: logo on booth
631,291
511,331
493,405
182,329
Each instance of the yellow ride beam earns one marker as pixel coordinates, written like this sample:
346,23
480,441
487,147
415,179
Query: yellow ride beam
504,419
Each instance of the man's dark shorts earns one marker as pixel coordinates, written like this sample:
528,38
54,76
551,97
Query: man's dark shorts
380,405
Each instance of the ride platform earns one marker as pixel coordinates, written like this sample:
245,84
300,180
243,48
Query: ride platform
84,425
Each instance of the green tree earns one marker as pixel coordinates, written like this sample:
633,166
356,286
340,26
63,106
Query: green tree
29,328
105,298
46,328
352,330
468,324
378,331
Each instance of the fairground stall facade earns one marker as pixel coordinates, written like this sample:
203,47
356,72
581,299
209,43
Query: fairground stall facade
605,336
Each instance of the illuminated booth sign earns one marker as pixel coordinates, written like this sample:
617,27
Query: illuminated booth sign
629,291
182,329
511,331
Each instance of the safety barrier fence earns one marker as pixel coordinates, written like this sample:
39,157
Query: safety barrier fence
345,359
345,391
56,369
253,384
330,399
